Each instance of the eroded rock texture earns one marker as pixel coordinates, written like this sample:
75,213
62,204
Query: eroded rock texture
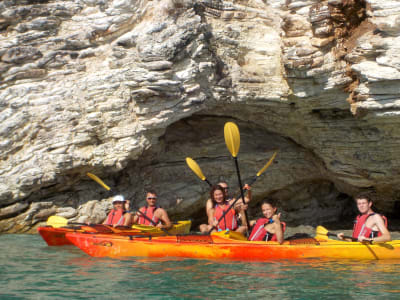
127,89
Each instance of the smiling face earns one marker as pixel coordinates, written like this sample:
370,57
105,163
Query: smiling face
363,205
224,186
219,196
118,205
268,210
151,199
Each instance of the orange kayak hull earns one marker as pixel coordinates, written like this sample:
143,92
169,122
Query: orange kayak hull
222,248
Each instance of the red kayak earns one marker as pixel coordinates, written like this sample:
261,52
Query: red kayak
55,236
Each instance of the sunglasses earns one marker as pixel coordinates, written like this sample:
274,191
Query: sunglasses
151,198
118,202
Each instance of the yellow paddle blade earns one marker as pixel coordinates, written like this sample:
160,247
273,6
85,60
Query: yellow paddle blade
195,168
232,138
267,164
320,230
98,180
230,235
57,221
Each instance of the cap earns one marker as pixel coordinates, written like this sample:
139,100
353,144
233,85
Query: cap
118,198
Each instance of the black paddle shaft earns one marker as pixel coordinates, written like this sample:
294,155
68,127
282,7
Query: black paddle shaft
345,236
241,192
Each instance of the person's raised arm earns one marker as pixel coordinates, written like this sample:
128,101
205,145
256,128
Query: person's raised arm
278,228
247,198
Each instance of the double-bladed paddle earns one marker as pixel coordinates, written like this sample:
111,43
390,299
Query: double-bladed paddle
320,230
99,181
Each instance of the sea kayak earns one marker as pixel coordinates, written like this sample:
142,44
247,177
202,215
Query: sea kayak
56,236
228,246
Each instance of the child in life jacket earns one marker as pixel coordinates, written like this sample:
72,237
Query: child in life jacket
269,228
118,216
368,226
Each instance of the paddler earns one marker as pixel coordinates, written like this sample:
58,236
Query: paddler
118,216
368,226
220,204
269,228
152,214
210,206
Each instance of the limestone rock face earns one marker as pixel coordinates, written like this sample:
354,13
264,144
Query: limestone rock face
127,89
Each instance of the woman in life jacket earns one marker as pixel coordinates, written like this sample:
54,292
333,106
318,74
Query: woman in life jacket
240,216
368,225
118,216
269,228
218,219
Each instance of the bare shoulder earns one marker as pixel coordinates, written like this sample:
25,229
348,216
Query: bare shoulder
160,210
378,218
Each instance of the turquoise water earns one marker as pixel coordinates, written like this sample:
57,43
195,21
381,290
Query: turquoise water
29,269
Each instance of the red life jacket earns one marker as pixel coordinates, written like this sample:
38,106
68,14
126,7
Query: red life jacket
149,213
116,217
360,229
260,234
229,221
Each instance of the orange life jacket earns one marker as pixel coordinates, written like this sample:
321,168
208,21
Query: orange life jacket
360,229
229,221
149,213
260,234
116,217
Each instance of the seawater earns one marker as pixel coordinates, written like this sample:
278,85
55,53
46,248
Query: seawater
29,269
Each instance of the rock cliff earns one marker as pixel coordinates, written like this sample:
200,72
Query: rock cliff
127,89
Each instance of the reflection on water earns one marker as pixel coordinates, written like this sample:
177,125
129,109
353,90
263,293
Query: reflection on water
31,270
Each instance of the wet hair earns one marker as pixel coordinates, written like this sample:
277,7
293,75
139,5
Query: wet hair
271,202
213,189
369,195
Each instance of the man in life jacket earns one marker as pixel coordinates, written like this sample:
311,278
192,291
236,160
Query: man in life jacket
118,216
269,228
239,207
155,215
368,226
